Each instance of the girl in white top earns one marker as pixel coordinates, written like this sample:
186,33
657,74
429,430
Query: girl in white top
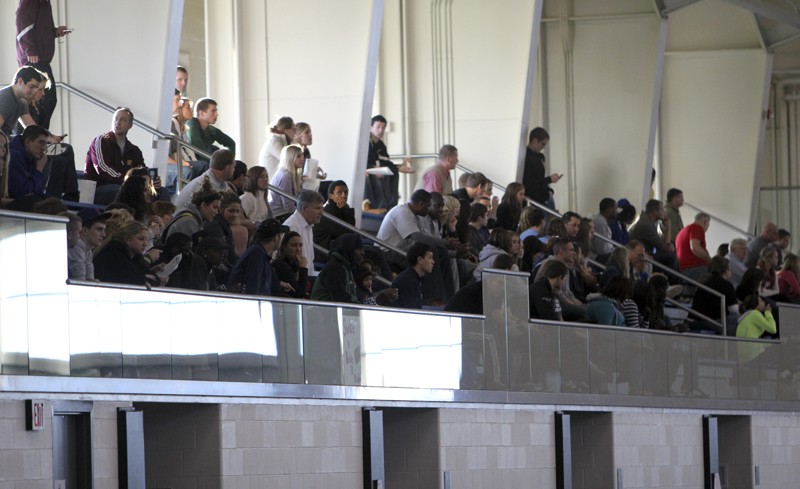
289,179
254,198
281,134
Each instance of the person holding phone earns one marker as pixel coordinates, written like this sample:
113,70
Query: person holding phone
36,35
536,182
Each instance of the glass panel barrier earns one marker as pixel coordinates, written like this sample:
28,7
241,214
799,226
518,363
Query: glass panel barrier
50,328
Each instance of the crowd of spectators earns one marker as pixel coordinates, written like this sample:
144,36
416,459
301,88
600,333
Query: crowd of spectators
227,231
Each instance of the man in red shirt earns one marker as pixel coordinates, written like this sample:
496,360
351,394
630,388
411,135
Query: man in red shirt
690,246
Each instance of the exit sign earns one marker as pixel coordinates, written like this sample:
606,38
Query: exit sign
34,415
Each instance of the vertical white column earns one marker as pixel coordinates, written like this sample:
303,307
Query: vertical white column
533,52
654,111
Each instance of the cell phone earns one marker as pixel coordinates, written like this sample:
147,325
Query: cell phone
67,31
153,173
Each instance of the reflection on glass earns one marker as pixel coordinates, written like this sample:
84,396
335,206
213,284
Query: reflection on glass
95,327
13,297
411,350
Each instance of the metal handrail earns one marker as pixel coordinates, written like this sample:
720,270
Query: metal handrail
722,221
711,291
148,128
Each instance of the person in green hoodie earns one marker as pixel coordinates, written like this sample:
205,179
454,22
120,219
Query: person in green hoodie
755,322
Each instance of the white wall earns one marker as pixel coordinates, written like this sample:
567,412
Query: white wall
710,115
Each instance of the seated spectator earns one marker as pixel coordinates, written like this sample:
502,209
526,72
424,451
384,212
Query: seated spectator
533,252
475,186
181,114
50,206
767,237
203,134
363,277
179,244
137,192
252,274
164,210
469,299
239,177
409,282
437,178
303,138
585,237
602,227
787,277
606,307
291,266
448,219
218,175
337,206
736,256
111,155
256,192
690,246
206,264
478,232
531,222
222,226
782,244
335,282
572,307
756,322
501,242
288,179
572,223
4,158
510,208
660,284
93,232
750,284
768,264
708,304
626,213
203,208
15,97
28,159
722,250
122,261
403,226
555,230
280,135
646,231
543,294
303,220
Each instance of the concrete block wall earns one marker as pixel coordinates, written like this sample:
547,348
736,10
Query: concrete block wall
411,448
182,445
297,446
776,450
26,457
490,448
658,450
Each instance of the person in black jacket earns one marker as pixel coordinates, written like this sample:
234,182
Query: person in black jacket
542,295
121,260
537,184
291,266
409,282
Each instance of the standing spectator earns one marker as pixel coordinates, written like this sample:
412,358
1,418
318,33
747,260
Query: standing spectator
672,212
437,178
281,135
202,132
537,184
252,274
36,35
382,191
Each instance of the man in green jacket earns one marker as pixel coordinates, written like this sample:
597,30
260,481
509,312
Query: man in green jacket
201,130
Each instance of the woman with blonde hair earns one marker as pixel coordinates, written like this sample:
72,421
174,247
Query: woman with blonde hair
303,137
281,133
289,180
122,259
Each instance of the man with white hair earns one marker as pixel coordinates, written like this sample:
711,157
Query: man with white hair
736,255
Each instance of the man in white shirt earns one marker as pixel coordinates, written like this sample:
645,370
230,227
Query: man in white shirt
219,174
308,213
